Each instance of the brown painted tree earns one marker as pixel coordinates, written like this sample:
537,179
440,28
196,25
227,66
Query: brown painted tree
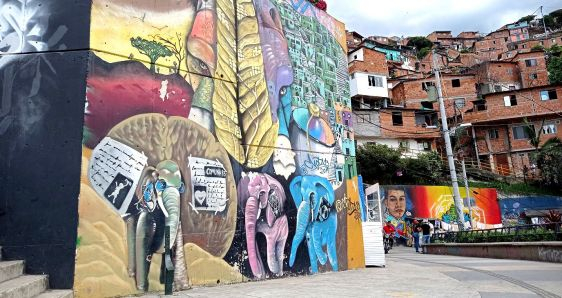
176,46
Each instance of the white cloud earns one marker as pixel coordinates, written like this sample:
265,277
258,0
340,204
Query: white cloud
417,17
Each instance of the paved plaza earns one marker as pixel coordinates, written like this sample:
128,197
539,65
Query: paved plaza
408,274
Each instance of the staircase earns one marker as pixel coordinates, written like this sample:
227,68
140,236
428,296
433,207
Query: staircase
15,284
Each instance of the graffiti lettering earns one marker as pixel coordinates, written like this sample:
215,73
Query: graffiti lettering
315,164
550,255
352,208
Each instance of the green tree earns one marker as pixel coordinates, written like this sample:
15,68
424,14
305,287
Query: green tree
422,45
151,48
549,22
378,163
549,160
537,47
533,133
555,70
419,42
526,19
426,168
423,52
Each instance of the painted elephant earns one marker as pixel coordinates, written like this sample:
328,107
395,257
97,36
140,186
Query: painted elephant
263,200
159,206
316,220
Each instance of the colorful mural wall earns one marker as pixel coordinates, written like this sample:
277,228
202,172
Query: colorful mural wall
228,122
522,209
401,204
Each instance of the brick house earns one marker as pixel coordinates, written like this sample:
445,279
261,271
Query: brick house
497,76
532,68
497,121
353,40
413,130
368,71
493,45
458,91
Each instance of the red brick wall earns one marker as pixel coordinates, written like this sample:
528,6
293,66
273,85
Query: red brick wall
496,109
503,73
412,93
408,130
539,69
373,62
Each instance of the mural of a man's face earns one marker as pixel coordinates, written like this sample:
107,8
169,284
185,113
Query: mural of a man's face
396,202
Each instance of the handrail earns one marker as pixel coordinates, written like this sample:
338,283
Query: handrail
523,233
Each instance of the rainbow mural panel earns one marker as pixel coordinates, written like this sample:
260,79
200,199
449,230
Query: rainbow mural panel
401,203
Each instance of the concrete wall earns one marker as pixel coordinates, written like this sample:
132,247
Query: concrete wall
225,121
43,64
532,251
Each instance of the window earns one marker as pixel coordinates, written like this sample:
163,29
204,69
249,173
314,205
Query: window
511,87
425,85
510,100
460,103
426,146
531,62
372,81
375,81
397,119
523,46
362,118
519,133
480,105
533,76
549,129
378,82
355,57
404,144
427,105
497,88
456,83
548,95
493,134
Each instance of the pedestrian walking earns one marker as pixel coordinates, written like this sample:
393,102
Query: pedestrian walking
426,232
416,234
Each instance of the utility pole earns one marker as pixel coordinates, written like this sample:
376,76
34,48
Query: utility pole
448,147
467,189
544,23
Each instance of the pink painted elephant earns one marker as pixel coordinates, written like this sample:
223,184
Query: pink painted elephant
263,200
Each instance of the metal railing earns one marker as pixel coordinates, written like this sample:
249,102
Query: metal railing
521,233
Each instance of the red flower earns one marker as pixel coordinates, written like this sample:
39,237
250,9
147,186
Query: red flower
321,4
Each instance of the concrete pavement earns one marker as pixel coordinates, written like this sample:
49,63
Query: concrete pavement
408,274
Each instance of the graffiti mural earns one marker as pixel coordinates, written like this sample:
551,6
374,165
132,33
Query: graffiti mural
527,209
228,124
401,204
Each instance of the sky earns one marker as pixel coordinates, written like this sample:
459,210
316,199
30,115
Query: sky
421,17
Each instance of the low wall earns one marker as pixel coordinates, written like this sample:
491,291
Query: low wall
532,251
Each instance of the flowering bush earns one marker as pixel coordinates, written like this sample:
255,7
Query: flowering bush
320,4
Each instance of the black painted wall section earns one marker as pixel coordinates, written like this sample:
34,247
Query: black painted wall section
42,89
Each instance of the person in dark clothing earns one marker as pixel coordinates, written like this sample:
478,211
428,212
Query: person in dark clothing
426,231
416,230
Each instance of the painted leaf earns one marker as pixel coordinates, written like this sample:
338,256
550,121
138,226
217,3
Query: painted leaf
246,127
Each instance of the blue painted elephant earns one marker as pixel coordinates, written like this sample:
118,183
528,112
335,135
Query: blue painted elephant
316,219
